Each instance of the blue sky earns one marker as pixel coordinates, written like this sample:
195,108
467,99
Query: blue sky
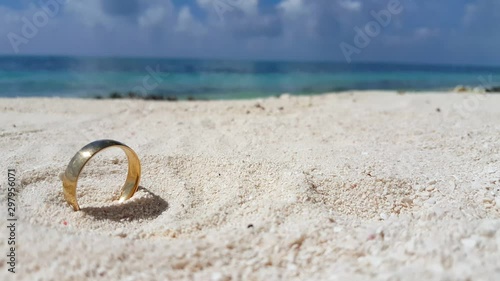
424,31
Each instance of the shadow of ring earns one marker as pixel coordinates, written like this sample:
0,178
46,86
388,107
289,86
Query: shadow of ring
151,206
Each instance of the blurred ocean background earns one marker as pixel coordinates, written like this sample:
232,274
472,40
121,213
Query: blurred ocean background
25,76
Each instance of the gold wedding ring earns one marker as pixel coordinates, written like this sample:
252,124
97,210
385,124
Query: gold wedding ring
75,166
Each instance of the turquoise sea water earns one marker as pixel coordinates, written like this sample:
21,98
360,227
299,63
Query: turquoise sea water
218,79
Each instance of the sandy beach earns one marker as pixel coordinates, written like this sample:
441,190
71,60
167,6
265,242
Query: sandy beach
349,186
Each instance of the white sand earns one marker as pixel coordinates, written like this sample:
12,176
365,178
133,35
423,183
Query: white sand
363,186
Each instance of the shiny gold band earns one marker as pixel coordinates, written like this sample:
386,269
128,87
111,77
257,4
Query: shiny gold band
81,158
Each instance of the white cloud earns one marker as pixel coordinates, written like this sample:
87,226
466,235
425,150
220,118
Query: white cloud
184,20
187,23
292,8
425,32
90,13
152,16
351,5
470,14
9,16
249,7
204,3
219,11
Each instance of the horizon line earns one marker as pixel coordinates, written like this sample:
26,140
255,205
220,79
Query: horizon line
401,63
